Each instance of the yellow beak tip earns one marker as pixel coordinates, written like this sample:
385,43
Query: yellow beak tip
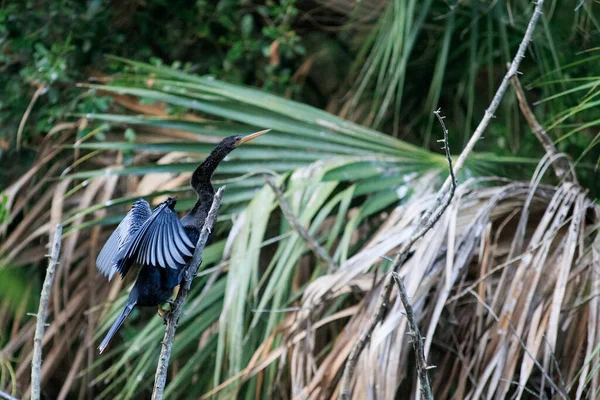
253,136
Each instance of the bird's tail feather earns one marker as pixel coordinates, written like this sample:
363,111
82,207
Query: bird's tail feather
116,325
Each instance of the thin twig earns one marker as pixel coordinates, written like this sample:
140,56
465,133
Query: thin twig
40,326
310,241
417,340
41,89
6,396
172,319
489,112
562,167
400,258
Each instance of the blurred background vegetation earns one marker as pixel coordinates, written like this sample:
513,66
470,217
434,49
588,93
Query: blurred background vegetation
386,69
147,85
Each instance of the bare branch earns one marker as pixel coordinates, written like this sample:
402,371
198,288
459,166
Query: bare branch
417,340
172,319
400,259
445,195
310,241
4,395
40,326
491,110
562,166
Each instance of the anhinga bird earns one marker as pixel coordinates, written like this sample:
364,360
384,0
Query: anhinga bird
158,241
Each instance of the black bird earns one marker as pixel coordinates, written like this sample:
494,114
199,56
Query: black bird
158,241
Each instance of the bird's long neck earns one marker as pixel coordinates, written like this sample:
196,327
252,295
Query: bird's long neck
204,189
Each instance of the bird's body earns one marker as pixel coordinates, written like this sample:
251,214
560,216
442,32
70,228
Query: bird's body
158,241
154,285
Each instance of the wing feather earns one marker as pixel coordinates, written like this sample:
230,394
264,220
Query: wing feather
166,246
125,232
152,242
105,260
160,246
161,242
182,241
173,248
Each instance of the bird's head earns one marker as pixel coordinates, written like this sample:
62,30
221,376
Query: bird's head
230,143
235,141
201,176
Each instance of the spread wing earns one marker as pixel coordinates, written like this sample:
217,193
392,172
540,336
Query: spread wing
160,242
108,258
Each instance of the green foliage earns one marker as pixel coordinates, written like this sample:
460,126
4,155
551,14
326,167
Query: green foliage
430,54
416,57
574,128
264,51
17,291
49,65
45,44
58,43
4,215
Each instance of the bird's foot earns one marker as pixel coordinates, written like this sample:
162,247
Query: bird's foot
167,307
163,313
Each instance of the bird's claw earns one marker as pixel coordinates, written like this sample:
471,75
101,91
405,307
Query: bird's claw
162,313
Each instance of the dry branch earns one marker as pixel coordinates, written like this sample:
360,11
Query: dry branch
386,291
489,112
562,166
442,201
40,326
416,338
6,396
310,241
172,319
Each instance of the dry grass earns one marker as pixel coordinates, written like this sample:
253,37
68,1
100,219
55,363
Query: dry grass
504,287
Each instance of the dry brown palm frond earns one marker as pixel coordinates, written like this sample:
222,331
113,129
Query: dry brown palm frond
487,309
503,311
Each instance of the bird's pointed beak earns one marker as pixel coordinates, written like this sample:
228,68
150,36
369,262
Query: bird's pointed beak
252,136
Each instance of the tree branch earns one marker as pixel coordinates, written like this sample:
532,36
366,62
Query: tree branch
446,192
400,259
562,166
432,216
310,241
40,326
489,112
6,396
172,319
417,340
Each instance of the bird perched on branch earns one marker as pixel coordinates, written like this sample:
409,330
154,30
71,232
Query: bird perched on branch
158,241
